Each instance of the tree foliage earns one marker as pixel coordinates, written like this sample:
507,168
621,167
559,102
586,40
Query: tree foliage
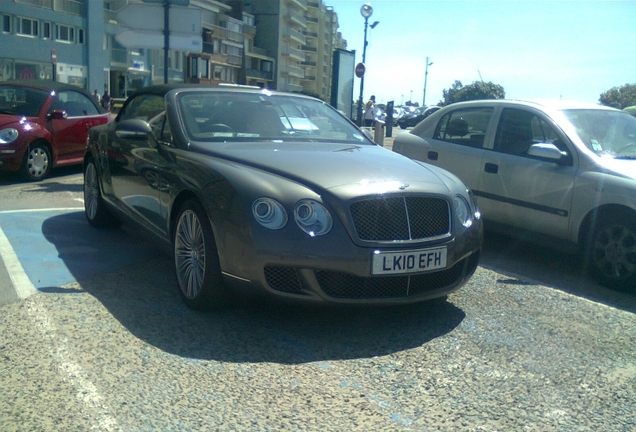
475,91
619,97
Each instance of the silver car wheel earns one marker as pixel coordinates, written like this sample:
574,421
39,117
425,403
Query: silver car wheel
97,213
189,257
37,162
614,253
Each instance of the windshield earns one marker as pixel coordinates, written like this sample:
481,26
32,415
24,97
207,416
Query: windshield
22,101
605,132
234,116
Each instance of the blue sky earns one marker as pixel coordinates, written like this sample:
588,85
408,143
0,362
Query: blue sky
535,49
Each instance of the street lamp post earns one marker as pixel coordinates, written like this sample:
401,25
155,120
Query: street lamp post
425,78
366,11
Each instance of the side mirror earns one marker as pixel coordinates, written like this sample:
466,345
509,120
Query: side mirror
58,115
133,129
546,151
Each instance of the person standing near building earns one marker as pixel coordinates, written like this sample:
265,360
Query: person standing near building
369,112
106,100
97,97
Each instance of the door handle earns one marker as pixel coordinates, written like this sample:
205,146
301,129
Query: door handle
432,155
491,168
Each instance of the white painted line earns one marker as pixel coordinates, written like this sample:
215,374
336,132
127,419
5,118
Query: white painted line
41,210
21,282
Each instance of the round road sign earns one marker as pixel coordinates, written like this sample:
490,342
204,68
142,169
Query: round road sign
360,70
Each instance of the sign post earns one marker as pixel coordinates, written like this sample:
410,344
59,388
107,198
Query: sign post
54,63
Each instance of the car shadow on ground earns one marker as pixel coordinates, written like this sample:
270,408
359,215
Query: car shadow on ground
142,296
533,264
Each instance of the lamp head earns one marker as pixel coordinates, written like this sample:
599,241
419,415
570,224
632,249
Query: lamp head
366,10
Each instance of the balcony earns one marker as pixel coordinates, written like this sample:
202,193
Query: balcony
309,48
70,6
294,35
301,3
297,18
235,60
294,71
255,73
119,56
294,53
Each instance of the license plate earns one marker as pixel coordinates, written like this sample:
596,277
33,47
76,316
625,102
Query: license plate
409,261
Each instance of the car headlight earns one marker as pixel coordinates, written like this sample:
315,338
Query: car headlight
475,206
462,211
269,213
312,217
8,135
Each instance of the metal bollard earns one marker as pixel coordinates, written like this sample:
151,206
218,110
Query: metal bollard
378,133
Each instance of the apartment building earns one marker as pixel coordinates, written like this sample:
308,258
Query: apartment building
279,44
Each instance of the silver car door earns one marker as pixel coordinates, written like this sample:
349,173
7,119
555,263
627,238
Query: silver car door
523,191
457,144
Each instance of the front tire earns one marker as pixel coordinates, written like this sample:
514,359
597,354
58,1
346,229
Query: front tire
612,252
95,208
37,162
196,260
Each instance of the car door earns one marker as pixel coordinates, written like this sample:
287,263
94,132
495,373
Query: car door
134,163
522,191
457,144
68,137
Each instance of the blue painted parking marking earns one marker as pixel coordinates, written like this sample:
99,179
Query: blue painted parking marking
57,247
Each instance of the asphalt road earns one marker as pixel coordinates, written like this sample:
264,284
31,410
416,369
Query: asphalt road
95,337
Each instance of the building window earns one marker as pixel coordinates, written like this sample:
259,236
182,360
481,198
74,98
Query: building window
80,36
64,33
6,23
46,30
27,27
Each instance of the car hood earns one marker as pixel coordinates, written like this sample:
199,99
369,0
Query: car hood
372,169
7,119
623,167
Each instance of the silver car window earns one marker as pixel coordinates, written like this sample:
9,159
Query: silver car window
519,129
465,126
604,131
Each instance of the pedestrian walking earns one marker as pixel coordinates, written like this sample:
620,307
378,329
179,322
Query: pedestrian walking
97,97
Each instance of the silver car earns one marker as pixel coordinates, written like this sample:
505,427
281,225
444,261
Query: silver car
559,173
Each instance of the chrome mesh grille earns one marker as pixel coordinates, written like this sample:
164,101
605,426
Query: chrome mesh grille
401,218
347,286
282,279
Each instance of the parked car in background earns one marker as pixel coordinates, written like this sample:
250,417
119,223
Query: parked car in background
44,124
414,117
544,171
245,200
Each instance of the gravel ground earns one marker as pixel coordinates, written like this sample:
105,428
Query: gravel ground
120,352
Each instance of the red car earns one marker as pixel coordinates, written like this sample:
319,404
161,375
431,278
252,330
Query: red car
44,124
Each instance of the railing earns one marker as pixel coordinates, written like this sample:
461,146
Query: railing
257,50
255,73
293,15
47,4
294,34
294,52
309,48
235,59
207,47
293,71
70,6
119,55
